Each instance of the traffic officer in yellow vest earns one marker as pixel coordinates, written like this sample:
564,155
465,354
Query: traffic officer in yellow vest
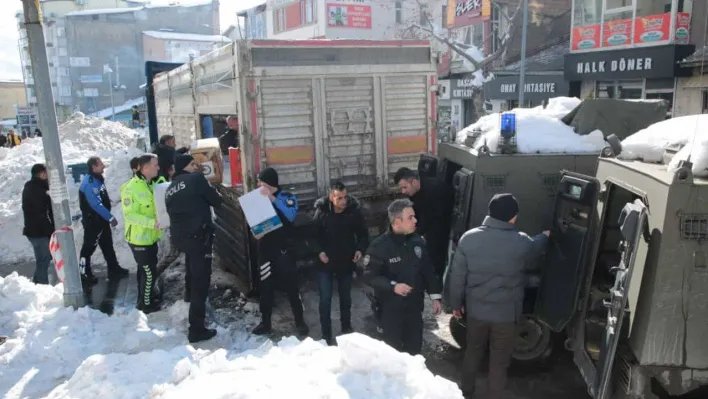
142,232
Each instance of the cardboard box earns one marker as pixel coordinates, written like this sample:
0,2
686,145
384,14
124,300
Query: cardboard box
207,153
160,208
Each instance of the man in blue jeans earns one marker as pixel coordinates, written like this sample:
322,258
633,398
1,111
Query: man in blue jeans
39,220
341,239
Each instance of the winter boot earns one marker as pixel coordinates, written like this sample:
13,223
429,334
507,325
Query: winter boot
302,328
262,329
347,329
88,279
202,335
151,308
117,273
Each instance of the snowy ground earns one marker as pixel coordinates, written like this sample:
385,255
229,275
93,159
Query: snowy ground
44,358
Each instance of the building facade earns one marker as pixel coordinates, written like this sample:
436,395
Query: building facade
96,55
630,50
12,95
179,47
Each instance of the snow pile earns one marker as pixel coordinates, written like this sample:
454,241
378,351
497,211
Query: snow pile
648,144
81,137
57,352
538,130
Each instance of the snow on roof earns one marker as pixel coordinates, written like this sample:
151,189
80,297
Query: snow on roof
103,11
106,113
8,123
133,9
185,36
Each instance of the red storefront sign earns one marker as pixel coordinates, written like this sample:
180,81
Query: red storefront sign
617,33
644,30
586,37
652,28
348,16
683,24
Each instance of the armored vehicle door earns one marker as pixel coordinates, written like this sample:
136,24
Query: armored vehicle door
462,185
569,250
633,222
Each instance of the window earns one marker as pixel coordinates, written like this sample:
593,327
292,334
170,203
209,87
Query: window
399,12
279,20
656,7
307,12
60,32
62,52
615,4
478,35
423,11
587,12
63,71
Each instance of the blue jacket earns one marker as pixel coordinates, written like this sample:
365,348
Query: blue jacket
286,208
93,199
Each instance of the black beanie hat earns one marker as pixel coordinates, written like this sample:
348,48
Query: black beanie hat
503,207
181,161
269,176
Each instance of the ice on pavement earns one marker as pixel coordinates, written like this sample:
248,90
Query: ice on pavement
538,130
81,137
57,352
649,144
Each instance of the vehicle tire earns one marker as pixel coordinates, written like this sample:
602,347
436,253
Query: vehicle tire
535,343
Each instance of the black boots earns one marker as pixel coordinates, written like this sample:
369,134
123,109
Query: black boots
262,329
117,273
202,335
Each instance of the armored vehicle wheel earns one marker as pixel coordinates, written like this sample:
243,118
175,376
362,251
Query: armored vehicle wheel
534,344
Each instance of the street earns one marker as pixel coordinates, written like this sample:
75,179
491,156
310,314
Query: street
559,380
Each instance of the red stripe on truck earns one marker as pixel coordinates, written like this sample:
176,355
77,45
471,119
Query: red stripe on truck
254,127
339,43
433,114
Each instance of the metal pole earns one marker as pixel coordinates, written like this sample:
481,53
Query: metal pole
47,115
113,107
522,69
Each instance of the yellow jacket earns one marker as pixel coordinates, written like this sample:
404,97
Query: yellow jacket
139,212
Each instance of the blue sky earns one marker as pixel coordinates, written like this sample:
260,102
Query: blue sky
9,55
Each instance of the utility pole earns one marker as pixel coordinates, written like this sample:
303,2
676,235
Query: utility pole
522,69
47,115
107,69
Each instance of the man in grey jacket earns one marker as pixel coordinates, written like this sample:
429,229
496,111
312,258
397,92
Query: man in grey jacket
487,279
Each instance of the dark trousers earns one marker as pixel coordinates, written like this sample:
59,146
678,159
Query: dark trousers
198,257
280,271
402,325
146,259
98,234
325,285
501,338
42,258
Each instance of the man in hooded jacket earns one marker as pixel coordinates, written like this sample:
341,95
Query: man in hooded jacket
189,200
39,220
341,239
165,151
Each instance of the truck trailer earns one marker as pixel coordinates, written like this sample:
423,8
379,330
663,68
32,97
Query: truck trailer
317,111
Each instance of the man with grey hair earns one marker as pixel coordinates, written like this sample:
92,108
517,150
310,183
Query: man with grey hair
230,138
398,267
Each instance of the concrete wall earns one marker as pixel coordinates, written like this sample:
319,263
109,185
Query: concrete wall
11,94
689,100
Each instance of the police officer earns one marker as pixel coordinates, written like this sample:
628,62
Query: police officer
189,200
398,267
97,221
142,232
276,258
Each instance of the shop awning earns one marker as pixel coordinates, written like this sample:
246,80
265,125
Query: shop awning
694,82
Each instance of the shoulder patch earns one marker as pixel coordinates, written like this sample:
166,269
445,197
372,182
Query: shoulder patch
418,252
367,259
126,202
290,202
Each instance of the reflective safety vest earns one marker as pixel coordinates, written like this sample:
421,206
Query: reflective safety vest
139,213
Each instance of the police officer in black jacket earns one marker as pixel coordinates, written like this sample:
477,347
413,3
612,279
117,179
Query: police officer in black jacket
189,199
277,265
398,267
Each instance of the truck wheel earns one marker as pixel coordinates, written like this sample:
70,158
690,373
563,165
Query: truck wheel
534,344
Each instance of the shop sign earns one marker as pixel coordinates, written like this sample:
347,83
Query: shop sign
467,12
348,16
536,87
463,89
637,63
643,30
